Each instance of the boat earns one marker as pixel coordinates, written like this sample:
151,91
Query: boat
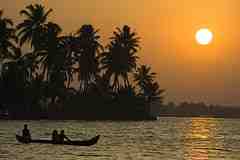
88,142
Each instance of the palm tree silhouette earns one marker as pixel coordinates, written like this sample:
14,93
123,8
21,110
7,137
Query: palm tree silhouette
87,55
8,39
121,58
31,28
148,87
50,51
143,76
28,66
154,93
67,49
47,71
14,82
52,58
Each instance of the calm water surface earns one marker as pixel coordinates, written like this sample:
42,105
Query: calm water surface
165,139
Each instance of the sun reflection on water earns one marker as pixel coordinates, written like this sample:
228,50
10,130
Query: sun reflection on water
201,140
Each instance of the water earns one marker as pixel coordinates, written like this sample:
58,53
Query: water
165,139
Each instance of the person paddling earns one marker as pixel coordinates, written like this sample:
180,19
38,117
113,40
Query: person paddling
62,136
55,137
26,134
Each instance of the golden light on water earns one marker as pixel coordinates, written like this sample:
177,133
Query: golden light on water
200,139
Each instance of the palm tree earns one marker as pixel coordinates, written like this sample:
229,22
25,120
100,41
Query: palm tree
143,76
149,89
153,93
14,82
8,50
50,51
52,58
67,47
29,65
121,58
31,28
87,55
8,39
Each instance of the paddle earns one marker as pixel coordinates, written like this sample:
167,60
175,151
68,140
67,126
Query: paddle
68,139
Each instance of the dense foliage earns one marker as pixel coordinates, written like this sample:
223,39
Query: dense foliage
72,74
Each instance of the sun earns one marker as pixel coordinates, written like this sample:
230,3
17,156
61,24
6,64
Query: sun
204,36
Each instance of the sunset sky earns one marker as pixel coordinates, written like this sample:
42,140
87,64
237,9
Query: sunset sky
187,70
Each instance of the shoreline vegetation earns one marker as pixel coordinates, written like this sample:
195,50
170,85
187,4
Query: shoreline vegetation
200,109
72,76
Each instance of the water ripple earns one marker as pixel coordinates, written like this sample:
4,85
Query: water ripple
166,139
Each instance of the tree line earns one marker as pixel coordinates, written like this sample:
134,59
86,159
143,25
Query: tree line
41,78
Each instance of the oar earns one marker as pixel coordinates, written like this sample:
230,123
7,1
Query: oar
68,139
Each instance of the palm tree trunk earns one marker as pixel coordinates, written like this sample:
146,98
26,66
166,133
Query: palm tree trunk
44,73
68,82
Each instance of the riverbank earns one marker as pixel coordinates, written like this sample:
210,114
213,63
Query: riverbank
117,118
200,116
64,116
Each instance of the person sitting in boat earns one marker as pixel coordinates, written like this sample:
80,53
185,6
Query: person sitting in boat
62,136
55,137
26,134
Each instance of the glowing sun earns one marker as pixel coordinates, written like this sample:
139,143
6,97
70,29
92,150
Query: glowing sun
204,36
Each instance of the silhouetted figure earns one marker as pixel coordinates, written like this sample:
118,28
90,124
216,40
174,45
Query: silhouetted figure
26,134
62,136
55,137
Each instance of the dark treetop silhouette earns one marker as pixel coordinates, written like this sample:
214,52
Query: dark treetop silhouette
37,84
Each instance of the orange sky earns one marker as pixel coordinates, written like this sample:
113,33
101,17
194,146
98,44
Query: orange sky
167,27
